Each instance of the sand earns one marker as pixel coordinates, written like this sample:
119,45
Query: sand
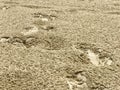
59,45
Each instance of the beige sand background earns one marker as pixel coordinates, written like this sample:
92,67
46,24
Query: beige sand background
45,58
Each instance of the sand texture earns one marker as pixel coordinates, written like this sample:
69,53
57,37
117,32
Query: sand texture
59,44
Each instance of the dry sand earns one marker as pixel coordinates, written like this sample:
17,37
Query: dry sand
59,45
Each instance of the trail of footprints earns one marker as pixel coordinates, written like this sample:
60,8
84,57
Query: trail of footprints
31,37
90,52
95,56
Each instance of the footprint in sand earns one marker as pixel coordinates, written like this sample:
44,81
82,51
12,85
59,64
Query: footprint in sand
96,56
77,81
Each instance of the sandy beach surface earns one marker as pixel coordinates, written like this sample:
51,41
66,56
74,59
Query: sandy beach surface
59,44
